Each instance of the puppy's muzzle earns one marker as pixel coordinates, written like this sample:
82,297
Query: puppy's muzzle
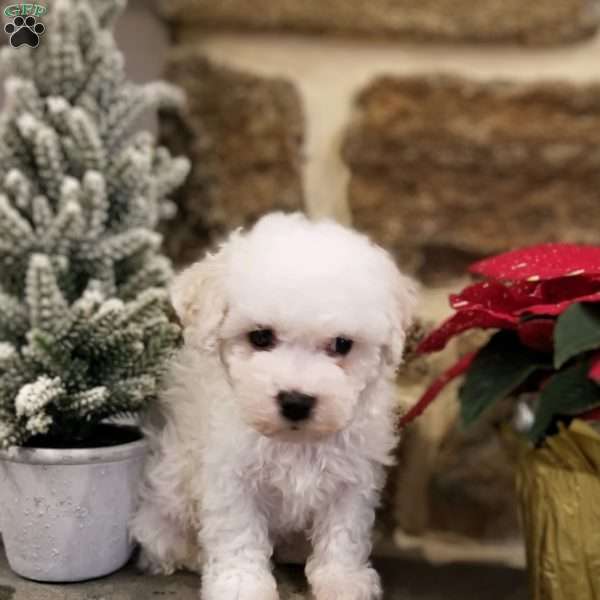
295,406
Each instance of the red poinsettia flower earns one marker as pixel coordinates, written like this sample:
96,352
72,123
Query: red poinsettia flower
524,291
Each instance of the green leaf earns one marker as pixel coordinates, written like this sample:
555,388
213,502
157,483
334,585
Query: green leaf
500,367
568,392
577,330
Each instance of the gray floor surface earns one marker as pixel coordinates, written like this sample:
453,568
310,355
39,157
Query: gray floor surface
403,580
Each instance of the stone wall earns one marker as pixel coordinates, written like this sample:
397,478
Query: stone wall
447,130
245,136
540,22
443,152
446,170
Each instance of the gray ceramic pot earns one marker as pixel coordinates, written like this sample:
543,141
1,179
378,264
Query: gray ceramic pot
64,514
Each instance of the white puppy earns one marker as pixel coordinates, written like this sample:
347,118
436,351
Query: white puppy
278,414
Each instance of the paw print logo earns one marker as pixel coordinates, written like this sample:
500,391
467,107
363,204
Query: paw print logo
24,32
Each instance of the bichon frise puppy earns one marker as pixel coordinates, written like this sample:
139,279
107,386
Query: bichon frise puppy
278,416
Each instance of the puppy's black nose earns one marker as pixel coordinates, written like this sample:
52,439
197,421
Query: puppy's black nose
295,406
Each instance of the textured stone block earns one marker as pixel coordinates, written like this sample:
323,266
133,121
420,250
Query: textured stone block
445,170
244,135
539,22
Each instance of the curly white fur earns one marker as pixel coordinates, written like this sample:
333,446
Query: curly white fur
229,476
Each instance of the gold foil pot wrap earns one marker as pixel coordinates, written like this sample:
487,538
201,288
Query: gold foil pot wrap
558,486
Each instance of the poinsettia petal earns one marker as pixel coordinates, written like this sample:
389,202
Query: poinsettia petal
553,310
594,372
526,291
438,384
537,334
481,293
491,295
566,288
544,261
475,318
590,415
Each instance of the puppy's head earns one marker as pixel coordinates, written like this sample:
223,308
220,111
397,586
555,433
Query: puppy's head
304,316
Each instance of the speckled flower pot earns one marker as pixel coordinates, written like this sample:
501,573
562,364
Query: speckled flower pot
64,514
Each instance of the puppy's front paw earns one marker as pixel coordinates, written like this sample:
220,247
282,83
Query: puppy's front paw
338,582
151,565
234,584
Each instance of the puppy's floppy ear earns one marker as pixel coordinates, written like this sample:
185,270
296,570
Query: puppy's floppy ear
404,301
198,297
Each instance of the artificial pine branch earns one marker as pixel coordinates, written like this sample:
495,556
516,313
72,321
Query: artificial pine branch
84,325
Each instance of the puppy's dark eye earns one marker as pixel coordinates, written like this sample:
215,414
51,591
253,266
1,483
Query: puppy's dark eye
340,346
262,339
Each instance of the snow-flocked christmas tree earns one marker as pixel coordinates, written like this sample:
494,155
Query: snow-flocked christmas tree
84,327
